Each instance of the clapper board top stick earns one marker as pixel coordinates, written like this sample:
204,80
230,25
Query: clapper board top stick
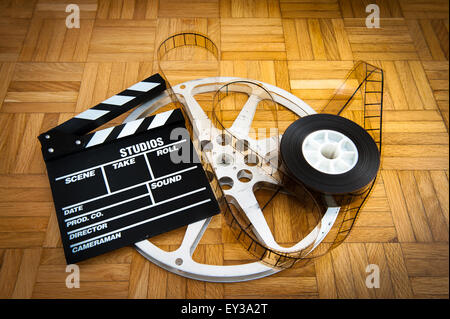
119,185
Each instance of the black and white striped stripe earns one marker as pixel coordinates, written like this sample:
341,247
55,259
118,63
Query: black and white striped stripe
133,127
70,136
113,106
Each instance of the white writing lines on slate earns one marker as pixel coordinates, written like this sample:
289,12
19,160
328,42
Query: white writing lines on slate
130,187
143,222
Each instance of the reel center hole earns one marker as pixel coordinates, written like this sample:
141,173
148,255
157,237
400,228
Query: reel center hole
330,151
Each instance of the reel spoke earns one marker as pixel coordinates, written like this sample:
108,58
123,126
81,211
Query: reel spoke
193,235
201,123
248,203
268,146
242,124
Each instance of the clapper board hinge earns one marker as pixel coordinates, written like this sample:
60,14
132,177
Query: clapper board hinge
70,137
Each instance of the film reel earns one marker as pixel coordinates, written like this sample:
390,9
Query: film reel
263,154
330,154
272,256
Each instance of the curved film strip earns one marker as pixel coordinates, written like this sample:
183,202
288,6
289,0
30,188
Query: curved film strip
359,99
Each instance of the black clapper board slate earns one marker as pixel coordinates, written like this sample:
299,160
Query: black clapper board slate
118,186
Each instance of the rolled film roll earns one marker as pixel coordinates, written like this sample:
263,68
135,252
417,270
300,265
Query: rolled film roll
330,154
314,195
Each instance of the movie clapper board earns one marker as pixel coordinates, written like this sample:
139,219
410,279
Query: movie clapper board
119,185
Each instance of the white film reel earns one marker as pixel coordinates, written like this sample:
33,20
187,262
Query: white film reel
180,261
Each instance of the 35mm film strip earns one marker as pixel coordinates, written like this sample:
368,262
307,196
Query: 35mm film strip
358,99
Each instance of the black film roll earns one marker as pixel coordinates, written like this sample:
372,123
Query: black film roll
352,181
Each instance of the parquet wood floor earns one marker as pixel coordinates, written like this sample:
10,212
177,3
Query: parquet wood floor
48,73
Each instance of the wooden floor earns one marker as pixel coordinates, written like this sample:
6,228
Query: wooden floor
49,73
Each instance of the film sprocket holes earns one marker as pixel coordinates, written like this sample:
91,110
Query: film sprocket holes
119,185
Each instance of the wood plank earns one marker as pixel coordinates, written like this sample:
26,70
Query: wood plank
9,270
271,285
21,240
176,285
360,234
432,40
6,72
23,224
326,284
430,285
88,273
198,8
440,183
214,255
415,150
342,41
425,92
48,72
331,45
55,256
394,86
399,274
398,206
359,262
428,251
407,80
290,39
139,276
310,9
431,205
419,40
416,212
377,256
52,235
427,268
27,273
373,219
93,290
304,43
196,289
343,272
158,279
420,163
408,138
317,42
27,209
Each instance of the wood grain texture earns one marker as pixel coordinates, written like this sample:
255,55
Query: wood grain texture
50,73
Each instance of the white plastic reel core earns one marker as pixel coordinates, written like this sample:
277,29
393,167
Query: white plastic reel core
330,152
